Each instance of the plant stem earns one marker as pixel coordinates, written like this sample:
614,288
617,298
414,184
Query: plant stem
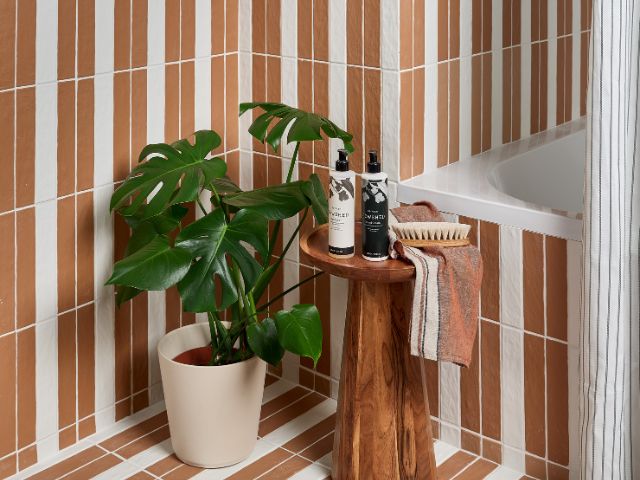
290,289
204,210
276,225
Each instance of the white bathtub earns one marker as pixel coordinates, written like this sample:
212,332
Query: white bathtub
534,184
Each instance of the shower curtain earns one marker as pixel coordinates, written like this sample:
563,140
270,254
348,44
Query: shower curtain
610,339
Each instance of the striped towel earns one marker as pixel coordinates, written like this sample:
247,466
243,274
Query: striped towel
445,309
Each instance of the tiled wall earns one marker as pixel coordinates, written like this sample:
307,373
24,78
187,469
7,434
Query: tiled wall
88,82
84,85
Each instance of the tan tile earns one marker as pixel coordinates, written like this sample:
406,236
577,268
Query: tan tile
26,43
419,32
122,34
25,146
140,476
534,388
454,28
556,472
187,30
144,443
321,30
67,369
305,102
355,108
490,249
406,34
470,442
556,292
27,457
454,465
372,109
479,469
218,26
492,450
476,103
231,27
139,10
354,32
86,427
172,102
490,351
476,26
443,30
85,285
516,97
454,111
121,124
261,465
85,130
282,401
506,94
66,137
7,279
165,465
287,469
67,437
8,466
66,254
470,393
135,432
560,73
94,468
544,88
533,281
26,385
486,101
487,25
321,107
305,29
70,464
183,472
535,88
86,359
66,39
406,125
187,99
535,467
8,398
139,343
310,436
7,185
372,12
138,113
86,36
289,413
557,403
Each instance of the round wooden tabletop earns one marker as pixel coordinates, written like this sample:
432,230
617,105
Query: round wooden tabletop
315,245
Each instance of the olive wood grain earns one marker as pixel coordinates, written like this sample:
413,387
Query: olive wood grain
383,426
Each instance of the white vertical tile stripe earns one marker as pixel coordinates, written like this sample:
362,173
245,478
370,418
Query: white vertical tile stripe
203,93
431,33
155,32
46,41
46,178
245,94
450,393
46,261
337,104
390,122
203,28
155,103
511,284
496,97
466,29
104,33
389,34
289,28
103,130
244,25
47,389
609,369
465,108
338,23
512,387
431,117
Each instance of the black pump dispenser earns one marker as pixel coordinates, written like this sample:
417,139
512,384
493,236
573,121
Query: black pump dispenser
342,164
373,166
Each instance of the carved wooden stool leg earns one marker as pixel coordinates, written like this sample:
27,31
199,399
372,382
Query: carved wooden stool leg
383,428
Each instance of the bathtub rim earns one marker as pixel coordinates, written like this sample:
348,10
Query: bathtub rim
464,188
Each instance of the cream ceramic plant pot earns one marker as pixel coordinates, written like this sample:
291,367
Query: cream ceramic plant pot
213,411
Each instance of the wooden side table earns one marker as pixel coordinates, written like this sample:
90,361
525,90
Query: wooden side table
383,426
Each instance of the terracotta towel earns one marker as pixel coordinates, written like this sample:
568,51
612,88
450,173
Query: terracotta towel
444,317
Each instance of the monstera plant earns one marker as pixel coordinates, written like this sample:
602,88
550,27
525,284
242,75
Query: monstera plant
223,262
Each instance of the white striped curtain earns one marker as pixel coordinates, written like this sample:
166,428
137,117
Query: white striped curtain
610,340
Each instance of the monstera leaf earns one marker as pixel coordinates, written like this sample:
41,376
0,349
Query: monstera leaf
304,126
300,330
173,174
208,240
263,340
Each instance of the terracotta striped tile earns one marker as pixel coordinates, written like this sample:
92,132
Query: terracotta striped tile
492,450
286,415
183,472
406,34
25,146
66,369
259,88
261,465
443,114
86,360
535,467
371,31
172,30
556,472
491,408
66,39
165,465
476,103
432,381
85,132
218,99
470,393
533,281
145,442
8,398
454,111
231,96
26,387
7,182
354,32
94,468
138,113
305,29
141,476
70,464
27,457
470,442
479,469
66,137
355,106
231,27
556,291
322,285
490,249
8,466
86,36
443,30
7,279
139,9
486,101
85,247
454,465
7,43
218,26
282,401
321,107
419,31
406,125
476,26
139,347
507,82
187,30
534,399
319,449
135,432
272,25
172,102
286,469
557,403
26,43
121,125
311,435
584,71
122,34
187,99
66,253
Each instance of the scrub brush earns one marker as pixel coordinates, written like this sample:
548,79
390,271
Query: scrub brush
432,234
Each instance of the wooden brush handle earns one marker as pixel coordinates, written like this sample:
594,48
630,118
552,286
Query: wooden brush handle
434,243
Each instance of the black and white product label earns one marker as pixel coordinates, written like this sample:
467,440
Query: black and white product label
341,214
375,218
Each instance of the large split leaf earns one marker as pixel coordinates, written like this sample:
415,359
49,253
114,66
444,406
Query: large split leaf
156,266
315,193
173,174
263,340
275,202
300,330
208,240
303,126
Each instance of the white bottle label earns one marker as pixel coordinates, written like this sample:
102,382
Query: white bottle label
341,214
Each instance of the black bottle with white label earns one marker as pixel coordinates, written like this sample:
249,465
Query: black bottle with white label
342,208
375,211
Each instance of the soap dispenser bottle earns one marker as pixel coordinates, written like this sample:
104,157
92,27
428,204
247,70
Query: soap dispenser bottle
341,208
375,211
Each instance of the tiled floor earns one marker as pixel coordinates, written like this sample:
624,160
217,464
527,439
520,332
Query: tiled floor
296,437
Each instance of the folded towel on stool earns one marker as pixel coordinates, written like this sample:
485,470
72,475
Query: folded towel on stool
445,309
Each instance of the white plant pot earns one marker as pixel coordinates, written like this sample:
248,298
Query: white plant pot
213,411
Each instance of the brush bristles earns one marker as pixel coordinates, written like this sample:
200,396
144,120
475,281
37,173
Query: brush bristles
431,230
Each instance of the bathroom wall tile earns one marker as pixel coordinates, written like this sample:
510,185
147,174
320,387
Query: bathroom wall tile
66,249
26,387
231,25
490,249
533,281
25,267
66,38
534,394
66,138
557,402
8,398
26,43
8,280
7,43
139,19
556,287
7,182
470,392
321,29
66,374
25,146
491,380
122,34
